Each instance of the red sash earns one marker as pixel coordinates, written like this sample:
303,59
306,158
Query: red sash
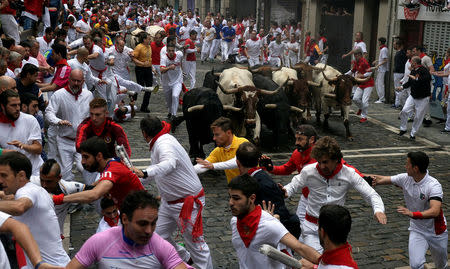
165,130
248,225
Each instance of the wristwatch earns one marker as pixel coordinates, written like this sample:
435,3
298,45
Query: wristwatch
145,173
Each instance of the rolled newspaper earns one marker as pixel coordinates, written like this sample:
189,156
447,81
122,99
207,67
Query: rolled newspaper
122,153
277,255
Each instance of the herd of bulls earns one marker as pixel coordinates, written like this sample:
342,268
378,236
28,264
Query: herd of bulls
279,98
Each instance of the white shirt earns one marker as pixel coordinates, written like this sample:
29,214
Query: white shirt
175,76
132,24
10,73
270,231
384,54
83,27
31,60
290,46
191,23
26,130
66,187
209,34
64,106
4,262
407,72
253,48
172,169
332,191
89,79
417,198
43,224
43,45
99,62
103,225
184,32
275,49
121,60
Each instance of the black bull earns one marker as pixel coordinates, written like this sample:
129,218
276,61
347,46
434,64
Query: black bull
201,107
274,110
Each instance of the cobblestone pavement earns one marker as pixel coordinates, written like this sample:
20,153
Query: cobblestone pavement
376,149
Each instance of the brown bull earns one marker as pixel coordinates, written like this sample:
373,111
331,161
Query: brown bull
341,97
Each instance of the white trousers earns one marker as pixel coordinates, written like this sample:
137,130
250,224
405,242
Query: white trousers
227,47
447,123
10,27
190,67
214,48
128,84
398,94
69,155
361,99
379,84
310,235
206,48
420,107
293,60
252,61
172,94
167,224
419,244
275,61
301,212
52,133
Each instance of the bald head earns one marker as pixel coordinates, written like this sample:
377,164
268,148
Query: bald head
77,74
19,49
7,83
76,80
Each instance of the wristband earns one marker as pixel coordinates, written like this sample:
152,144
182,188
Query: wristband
58,199
38,264
145,173
417,215
315,266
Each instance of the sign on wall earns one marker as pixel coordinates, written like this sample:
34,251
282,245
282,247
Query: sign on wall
423,13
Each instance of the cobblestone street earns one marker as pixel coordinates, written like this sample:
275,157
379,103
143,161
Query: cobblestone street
376,149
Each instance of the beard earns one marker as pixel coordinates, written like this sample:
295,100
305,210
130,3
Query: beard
91,168
75,89
12,116
302,148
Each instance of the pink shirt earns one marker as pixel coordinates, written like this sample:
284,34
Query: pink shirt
111,249
42,63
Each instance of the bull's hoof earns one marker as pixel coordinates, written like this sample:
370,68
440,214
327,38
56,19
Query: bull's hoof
350,139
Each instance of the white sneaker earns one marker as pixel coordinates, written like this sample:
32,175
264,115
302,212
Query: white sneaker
148,89
379,102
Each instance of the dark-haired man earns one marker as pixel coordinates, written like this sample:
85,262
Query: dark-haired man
382,66
335,223
32,206
328,181
19,131
26,83
423,197
252,227
62,69
51,180
115,178
182,194
135,245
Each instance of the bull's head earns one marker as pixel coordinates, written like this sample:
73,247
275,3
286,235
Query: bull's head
305,70
343,87
264,70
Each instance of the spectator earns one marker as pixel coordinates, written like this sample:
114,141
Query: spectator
26,83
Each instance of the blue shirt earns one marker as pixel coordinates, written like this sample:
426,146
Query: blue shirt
218,29
228,32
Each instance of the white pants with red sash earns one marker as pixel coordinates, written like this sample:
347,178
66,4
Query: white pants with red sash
168,219
310,233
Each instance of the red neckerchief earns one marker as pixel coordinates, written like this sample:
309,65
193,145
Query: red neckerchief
422,55
11,67
383,46
447,61
253,169
336,170
255,39
5,119
358,41
112,222
84,20
62,62
173,58
339,256
98,130
165,129
46,40
72,93
248,225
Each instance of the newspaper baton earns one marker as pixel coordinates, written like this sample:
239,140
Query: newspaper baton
277,255
121,152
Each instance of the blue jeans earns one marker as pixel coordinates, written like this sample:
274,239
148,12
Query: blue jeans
28,23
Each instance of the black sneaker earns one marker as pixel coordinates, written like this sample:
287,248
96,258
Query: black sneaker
401,133
445,131
412,137
427,123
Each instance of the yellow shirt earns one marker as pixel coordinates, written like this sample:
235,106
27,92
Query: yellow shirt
143,53
98,25
221,154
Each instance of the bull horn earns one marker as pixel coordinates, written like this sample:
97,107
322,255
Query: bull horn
266,92
254,70
328,78
195,108
318,68
363,80
226,91
217,74
271,106
290,82
312,83
276,68
296,109
232,108
329,95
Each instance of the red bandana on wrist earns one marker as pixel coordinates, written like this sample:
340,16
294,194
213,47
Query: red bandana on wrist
112,222
336,170
5,119
248,225
165,130
339,256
